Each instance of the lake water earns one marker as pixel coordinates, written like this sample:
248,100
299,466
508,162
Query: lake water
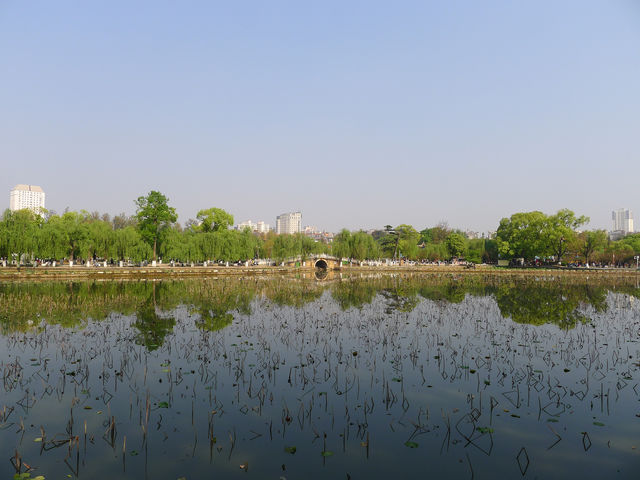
362,378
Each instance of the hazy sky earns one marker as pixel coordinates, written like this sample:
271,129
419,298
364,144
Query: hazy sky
357,113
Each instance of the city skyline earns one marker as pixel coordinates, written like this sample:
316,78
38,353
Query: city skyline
359,115
618,216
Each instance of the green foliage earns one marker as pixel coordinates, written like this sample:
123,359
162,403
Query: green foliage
437,234
151,325
456,245
341,246
214,220
19,233
154,216
355,245
619,252
354,293
212,303
589,242
153,232
476,248
281,247
213,306
490,253
388,241
540,304
533,234
561,231
283,292
632,241
521,235
407,241
434,252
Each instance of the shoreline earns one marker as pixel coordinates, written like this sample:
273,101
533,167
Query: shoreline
161,272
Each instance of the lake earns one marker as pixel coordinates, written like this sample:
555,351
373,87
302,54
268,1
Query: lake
353,377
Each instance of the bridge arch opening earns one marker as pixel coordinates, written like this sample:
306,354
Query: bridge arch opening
321,264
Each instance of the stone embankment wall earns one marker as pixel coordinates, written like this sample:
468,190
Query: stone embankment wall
106,273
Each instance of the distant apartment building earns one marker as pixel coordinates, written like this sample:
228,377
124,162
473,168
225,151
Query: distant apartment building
290,222
26,196
622,220
259,227
248,224
263,227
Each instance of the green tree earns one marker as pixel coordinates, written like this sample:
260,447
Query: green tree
407,240
475,250
388,242
19,233
73,233
129,245
590,242
619,253
633,241
560,230
426,236
214,220
523,235
437,234
434,252
456,244
99,241
341,246
284,246
154,215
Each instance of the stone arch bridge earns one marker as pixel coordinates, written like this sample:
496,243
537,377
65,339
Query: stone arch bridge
321,261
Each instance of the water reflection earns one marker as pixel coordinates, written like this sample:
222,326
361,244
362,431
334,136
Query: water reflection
540,304
214,302
153,325
321,274
384,377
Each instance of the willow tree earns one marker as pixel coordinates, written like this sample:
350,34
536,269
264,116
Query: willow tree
19,233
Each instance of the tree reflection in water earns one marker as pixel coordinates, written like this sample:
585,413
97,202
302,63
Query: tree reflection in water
214,302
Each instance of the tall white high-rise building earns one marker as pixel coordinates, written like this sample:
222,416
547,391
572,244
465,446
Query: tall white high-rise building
290,222
622,220
26,196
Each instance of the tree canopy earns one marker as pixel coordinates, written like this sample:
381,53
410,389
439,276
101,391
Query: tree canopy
154,216
214,219
533,234
153,232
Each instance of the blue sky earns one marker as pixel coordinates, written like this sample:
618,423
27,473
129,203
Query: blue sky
357,113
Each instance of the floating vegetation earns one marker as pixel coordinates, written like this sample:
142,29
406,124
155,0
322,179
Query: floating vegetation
470,375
